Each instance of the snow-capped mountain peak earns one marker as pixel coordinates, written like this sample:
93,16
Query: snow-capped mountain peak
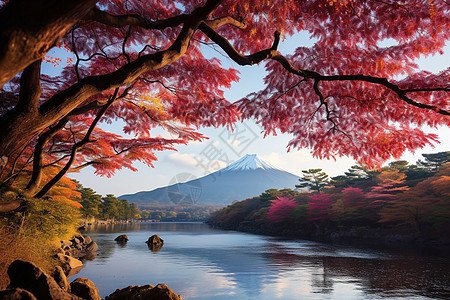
249,162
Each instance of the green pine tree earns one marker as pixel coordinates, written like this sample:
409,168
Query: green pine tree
313,179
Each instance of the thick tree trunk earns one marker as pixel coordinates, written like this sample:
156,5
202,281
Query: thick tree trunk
20,125
30,28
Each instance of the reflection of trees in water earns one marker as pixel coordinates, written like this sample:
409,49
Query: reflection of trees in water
422,275
426,276
321,279
149,226
113,228
106,247
326,266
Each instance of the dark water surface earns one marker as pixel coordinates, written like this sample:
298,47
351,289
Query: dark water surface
203,263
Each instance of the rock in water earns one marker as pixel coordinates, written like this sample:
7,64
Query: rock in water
121,239
70,265
87,239
159,292
155,242
91,247
84,288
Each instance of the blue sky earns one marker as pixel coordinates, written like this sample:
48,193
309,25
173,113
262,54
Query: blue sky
198,159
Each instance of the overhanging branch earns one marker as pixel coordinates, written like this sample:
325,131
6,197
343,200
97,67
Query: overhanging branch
272,53
119,21
235,55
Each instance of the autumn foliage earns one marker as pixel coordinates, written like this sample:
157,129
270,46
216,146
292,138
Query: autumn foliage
280,209
390,203
357,91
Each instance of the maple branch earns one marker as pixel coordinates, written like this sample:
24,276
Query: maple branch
65,101
12,173
151,142
322,101
76,147
119,21
216,23
446,89
127,36
328,112
171,89
394,88
87,164
56,161
38,155
234,54
367,78
86,87
22,42
272,53
30,87
132,19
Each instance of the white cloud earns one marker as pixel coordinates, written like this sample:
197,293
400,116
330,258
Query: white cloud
296,161
185,160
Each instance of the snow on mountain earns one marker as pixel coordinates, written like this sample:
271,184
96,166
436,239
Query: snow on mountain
249,162
247,177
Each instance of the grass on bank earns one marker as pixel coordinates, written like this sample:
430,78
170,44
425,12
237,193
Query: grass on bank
35,234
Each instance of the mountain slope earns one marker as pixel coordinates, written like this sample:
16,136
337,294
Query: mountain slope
247,177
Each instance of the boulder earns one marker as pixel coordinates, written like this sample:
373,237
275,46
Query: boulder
16,294
27,276
121,239
159,292
66,243
79,237
76,243
61,279
85,289
91,247
155,242
87,239
70,265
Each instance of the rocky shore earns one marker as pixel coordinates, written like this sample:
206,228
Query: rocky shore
29,282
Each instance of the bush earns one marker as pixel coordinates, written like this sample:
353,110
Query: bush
35,234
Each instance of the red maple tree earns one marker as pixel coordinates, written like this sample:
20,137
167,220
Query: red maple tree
141,62
320,208
280,209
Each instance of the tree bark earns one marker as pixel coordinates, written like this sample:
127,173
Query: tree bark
17,127
75,149
10,206
38,155
30,28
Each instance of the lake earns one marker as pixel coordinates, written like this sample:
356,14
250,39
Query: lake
199,262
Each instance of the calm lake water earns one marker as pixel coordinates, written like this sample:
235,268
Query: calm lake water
203,263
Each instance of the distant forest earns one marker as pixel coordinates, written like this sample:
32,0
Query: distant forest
95,207
407,201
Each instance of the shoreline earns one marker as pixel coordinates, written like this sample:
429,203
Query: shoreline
373,239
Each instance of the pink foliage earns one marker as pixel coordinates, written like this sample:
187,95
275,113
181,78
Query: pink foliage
280,209
320,208
354,197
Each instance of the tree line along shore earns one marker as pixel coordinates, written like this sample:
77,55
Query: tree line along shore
398,205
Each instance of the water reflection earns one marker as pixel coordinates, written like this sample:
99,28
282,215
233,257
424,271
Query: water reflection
202,263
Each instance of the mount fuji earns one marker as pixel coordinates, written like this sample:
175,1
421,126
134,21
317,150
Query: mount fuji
247,177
